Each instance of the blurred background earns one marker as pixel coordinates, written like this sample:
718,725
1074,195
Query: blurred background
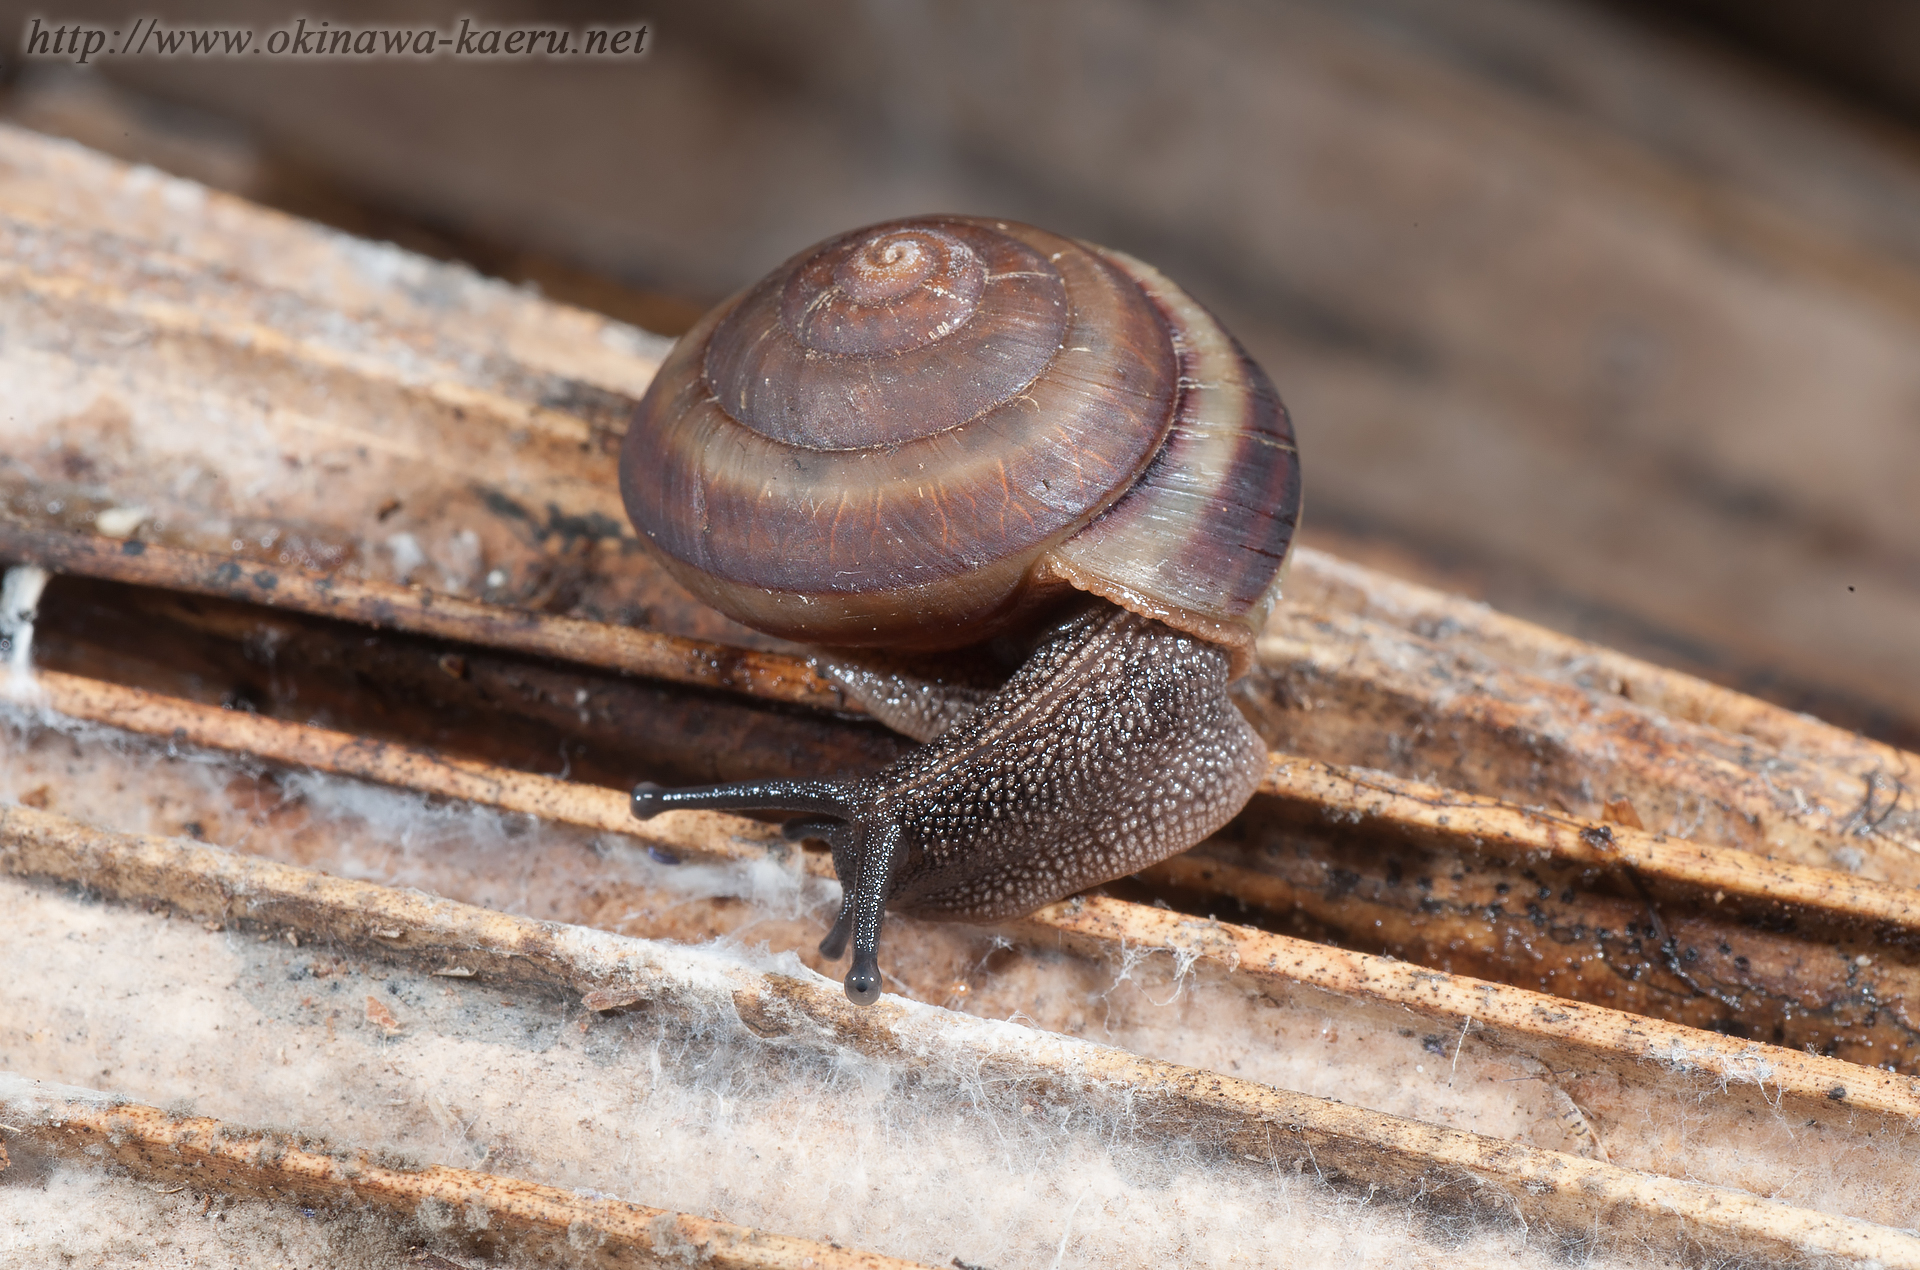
1606,313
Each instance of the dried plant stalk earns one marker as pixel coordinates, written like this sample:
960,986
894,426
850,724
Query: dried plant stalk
772,676
1529,1021
1264,1124
1756,884
520,1215
490,475
1354,689
1328,584
499,414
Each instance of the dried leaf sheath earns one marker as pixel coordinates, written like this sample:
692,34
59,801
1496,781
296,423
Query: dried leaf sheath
499,414
1265,1125
1600,1034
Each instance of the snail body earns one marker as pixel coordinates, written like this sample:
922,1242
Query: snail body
930,433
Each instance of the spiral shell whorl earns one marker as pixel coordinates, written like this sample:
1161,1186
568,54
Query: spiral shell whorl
869,447
889,292
889,334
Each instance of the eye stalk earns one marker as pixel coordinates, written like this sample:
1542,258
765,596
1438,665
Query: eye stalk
930,433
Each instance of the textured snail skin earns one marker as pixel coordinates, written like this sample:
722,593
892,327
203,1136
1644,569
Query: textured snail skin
1112,747
929,433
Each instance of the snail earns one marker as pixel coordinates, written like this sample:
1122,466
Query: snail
934,433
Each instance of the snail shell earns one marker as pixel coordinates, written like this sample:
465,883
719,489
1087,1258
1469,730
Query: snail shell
917,434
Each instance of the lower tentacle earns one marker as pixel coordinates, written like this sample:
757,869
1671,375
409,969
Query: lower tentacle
834,946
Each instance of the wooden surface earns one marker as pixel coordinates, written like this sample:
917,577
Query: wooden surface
338,688
1257,1121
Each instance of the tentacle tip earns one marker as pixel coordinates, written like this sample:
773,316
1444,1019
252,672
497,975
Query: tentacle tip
648,800
863,981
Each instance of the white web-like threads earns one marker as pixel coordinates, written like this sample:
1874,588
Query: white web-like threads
19,598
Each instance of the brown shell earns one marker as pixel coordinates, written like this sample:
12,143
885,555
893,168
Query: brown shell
907,436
